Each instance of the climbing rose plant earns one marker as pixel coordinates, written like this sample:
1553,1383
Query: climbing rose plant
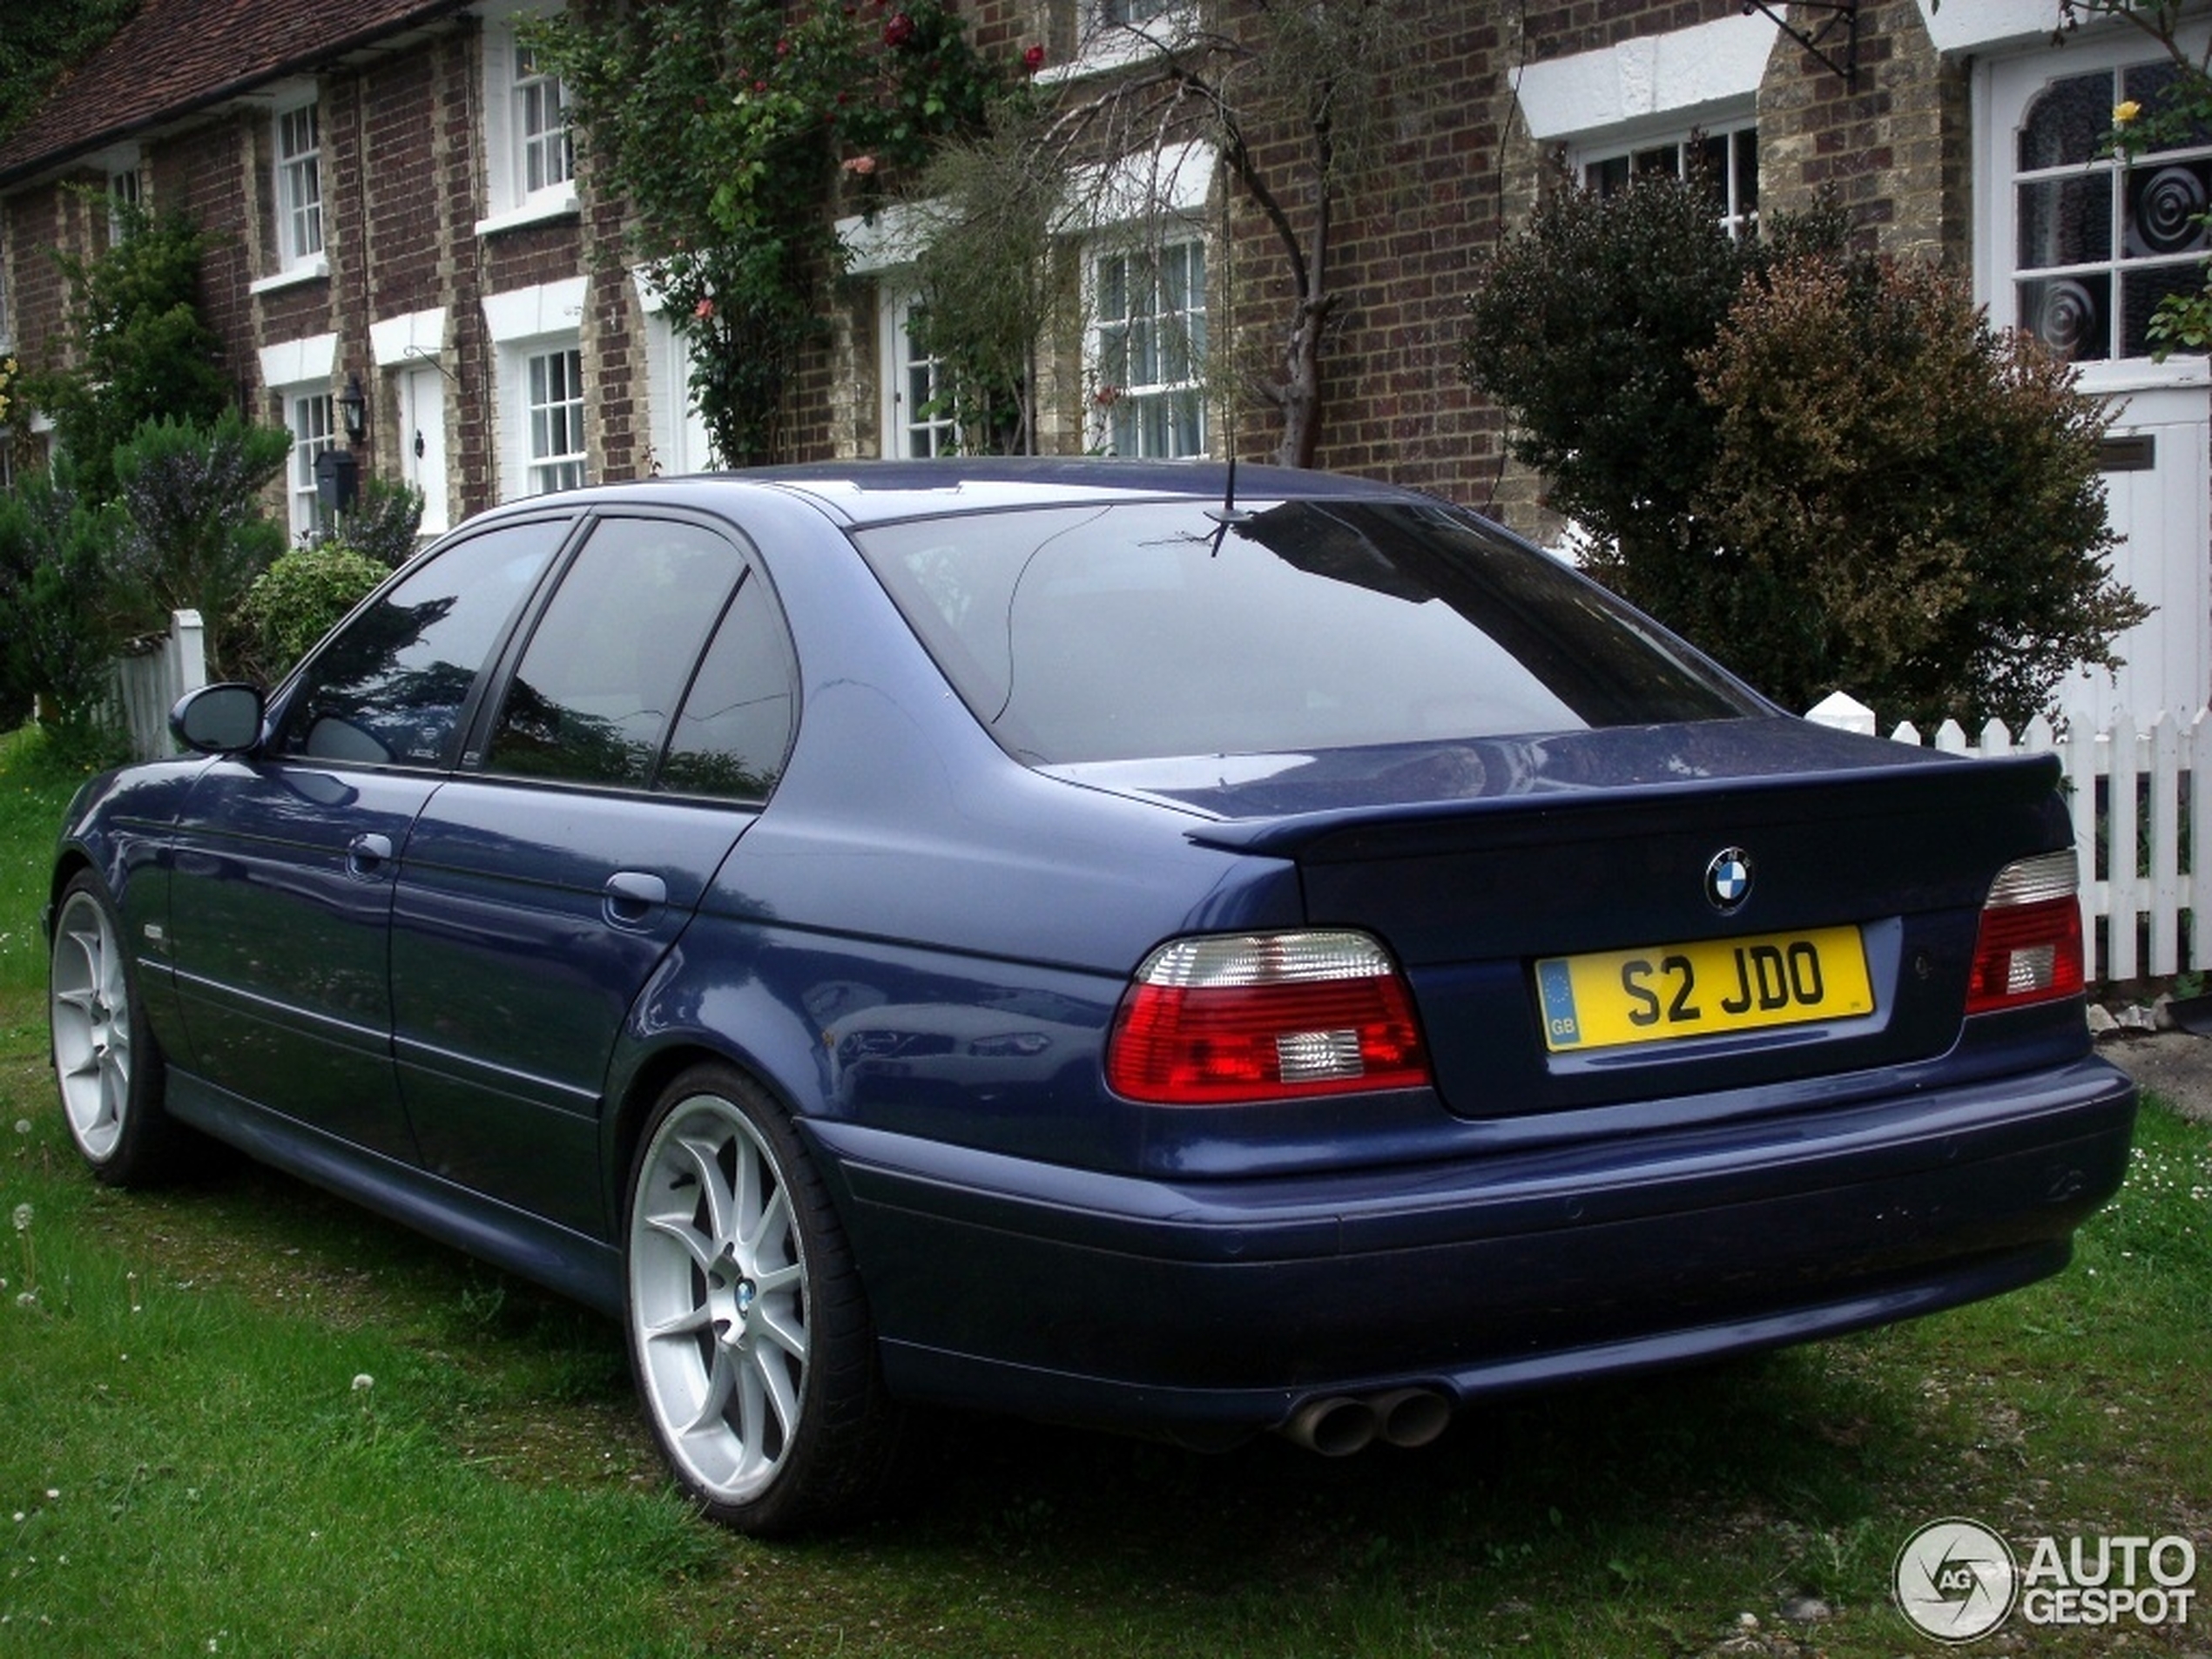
735,132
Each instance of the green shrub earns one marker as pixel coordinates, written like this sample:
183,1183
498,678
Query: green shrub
138,347
384,524
1820,466
58,630
1910,503
198,533
298,600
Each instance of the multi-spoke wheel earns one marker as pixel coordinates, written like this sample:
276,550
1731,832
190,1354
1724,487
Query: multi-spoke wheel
106,1062
748,1333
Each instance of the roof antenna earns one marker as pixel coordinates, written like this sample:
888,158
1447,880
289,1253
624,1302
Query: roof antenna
1228,513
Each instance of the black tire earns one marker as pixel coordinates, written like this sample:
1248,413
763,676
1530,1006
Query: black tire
108,1069
749,1334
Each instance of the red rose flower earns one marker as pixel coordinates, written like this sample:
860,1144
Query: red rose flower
1033,59
898,30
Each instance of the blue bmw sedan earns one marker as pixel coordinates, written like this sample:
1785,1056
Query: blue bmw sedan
1128,945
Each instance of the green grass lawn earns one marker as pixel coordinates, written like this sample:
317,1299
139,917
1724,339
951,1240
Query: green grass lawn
241,1418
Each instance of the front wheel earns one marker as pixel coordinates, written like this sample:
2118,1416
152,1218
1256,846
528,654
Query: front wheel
106,1065
749,1336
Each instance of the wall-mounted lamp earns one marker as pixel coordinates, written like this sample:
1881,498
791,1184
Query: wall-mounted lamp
353,408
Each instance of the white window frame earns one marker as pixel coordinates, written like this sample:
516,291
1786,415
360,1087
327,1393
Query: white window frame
311,416
1675,152
529,170
1124,413
1106,41
296,156
2006,90
554,447
912,382
525,323
125,185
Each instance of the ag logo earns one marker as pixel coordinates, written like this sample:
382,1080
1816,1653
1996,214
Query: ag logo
1955,1580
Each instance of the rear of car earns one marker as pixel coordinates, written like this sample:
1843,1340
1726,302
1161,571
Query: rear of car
1624,1019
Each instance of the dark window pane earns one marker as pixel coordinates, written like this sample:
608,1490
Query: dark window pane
2142,287
736,727
1091,634
2072,315
2068,123
390,689
1747,170
1608,177
608,659
2165,206
2065,221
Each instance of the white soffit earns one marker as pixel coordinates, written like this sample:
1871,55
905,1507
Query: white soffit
1676,73
296,362
525,313
419,333
1971,25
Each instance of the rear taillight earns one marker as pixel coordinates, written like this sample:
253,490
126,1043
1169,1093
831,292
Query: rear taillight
2030,948
1265,1016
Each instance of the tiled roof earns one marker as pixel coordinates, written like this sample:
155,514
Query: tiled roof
176,56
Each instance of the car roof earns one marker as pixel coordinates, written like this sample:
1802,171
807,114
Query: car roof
863,492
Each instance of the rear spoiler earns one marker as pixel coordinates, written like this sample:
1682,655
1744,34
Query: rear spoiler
2026,785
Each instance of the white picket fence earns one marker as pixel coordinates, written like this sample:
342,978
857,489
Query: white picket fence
2132,790
148,683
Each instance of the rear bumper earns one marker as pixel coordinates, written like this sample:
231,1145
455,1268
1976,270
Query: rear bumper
1209,1306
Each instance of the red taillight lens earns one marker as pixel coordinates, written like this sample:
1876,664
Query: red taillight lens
1265,1016
2030,948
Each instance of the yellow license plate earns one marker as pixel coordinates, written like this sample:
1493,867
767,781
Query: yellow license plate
1714,985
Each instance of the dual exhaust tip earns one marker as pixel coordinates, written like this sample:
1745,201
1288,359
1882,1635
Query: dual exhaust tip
1340,1424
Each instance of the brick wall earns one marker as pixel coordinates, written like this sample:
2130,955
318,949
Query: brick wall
403,191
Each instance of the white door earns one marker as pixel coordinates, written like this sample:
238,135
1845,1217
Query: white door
2158,499
422,442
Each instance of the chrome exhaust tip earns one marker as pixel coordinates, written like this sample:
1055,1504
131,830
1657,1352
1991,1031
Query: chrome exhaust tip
1334,1427
1412,1417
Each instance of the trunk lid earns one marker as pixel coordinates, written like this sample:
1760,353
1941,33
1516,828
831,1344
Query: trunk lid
1592,876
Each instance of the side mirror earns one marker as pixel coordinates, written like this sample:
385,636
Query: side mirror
217,719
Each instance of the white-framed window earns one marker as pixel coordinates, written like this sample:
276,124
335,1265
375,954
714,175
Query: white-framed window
1725,156
553,418
296,143
537,335
2082,246
1138,11
1146,362
530,156
124,191
918,419
547,159
308,411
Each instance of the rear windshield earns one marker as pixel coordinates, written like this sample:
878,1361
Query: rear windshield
1140,629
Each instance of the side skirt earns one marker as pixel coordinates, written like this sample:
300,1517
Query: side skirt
567,1263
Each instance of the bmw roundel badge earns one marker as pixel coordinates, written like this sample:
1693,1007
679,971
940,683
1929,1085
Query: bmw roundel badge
1728,879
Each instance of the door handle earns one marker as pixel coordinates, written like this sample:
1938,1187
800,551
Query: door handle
365,853
631,895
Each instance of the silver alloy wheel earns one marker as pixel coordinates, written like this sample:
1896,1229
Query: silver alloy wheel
718,1297
91,1012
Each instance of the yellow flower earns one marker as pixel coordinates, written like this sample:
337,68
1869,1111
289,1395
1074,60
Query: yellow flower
2124,112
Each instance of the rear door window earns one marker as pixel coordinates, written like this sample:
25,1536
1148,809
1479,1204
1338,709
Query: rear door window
612,658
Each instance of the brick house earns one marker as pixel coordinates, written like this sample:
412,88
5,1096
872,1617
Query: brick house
396,208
